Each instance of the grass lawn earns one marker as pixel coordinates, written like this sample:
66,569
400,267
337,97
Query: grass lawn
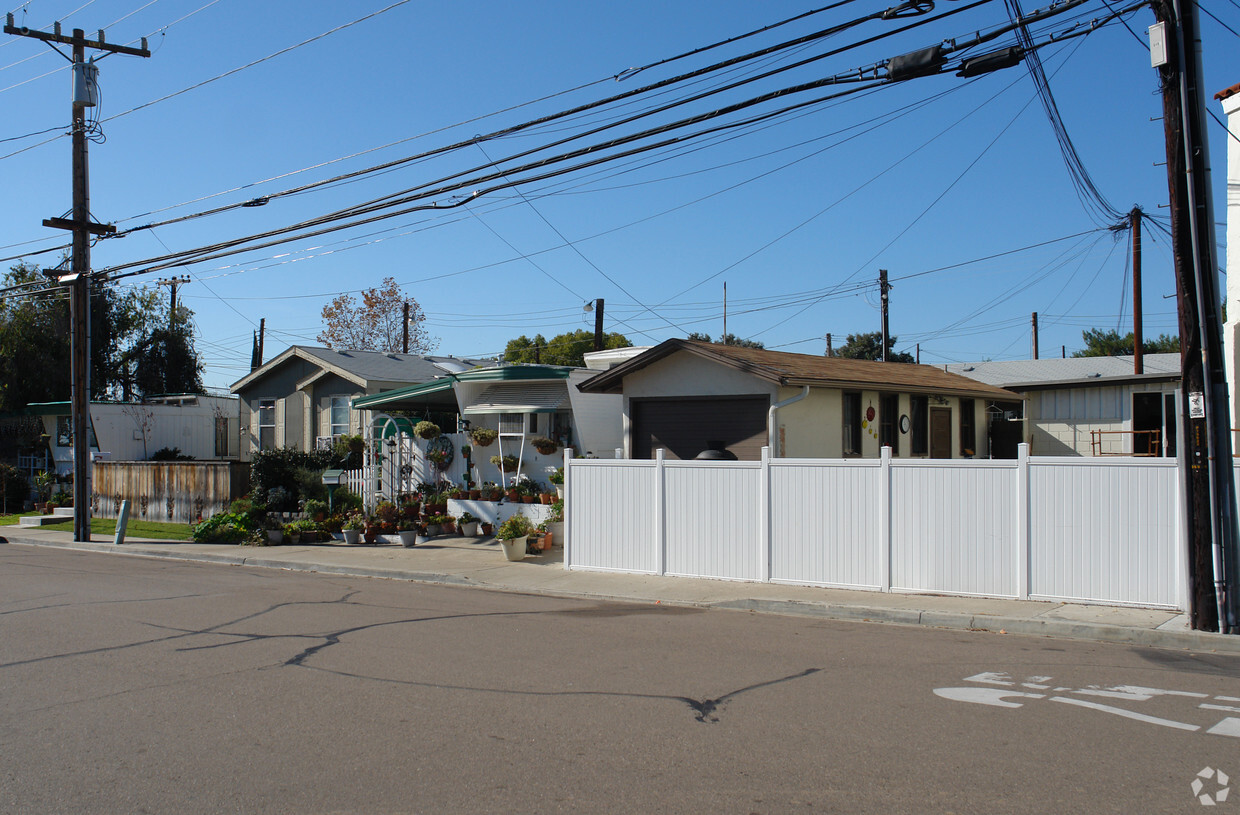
107,527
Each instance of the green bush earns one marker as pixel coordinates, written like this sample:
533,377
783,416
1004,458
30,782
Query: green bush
14,488
226,527
170,454
279,468
346,501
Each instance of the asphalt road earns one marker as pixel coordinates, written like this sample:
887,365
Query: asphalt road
129,685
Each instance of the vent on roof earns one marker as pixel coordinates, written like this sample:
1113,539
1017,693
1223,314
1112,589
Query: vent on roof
968,368
394,356
343,353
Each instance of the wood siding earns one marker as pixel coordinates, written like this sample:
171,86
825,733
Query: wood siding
170,491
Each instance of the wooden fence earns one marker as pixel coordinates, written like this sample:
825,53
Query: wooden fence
175,491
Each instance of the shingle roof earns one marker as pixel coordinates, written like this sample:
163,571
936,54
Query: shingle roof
371,366
785,368
1031,373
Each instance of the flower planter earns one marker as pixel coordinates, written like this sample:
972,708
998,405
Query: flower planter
547,497
528,499
514,549
547,541
433,529
408,538
513,496
275,535
469,529
352,536
474,495
487,529
559,491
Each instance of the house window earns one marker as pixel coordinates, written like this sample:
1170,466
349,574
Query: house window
968,435
266,424
852,424
889,415
918,413
338,421
221,436
511,423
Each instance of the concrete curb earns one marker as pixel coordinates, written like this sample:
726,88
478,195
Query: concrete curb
928,618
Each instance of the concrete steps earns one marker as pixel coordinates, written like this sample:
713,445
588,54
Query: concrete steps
59,515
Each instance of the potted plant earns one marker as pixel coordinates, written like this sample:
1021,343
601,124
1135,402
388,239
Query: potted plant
407,529
448,523
557,479
487,527
541,541
512,535
468,524
555,521
352,527
483,436
434,525
544,445
274,528
427,430
315,509
303,530
292,533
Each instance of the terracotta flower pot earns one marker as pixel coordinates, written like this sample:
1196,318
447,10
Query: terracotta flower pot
528,499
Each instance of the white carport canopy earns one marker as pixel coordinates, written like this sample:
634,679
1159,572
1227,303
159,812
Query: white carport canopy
520,397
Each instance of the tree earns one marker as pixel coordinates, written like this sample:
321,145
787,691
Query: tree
377,323
726,339
869,346
35,341
569,348
167,363
1100,343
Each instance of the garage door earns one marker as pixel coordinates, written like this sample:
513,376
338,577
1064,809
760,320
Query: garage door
686,427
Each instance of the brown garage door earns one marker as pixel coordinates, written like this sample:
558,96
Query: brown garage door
686,427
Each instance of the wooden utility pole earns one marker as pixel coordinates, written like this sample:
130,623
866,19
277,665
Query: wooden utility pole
172,283
883,288
1035,335
724,338
1206,440
405,324
598,324
1138,334
830,350
78,279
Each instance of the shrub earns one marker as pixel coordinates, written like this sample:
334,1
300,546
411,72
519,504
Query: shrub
315,507
170,454
227,527
278,468
251,515
427,430
14,488
345,500
279,500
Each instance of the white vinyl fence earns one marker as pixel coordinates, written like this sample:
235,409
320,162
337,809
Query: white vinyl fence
1091,530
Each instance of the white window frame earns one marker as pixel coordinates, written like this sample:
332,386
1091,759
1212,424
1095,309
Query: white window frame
266,405
335,428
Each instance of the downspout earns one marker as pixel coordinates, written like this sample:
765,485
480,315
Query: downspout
772,438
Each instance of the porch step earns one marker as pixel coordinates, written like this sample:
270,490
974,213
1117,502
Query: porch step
59,515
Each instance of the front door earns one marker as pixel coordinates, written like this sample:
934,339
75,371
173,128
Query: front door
940,432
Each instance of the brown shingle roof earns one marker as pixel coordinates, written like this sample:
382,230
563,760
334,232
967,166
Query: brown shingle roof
783,368
1227,93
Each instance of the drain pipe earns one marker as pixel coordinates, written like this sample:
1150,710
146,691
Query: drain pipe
771,438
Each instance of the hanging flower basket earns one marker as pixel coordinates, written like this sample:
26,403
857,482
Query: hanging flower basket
427,430
483,436
544,445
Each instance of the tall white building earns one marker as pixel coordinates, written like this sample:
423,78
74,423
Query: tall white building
1231,108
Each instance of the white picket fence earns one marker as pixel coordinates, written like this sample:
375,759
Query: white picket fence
1081,529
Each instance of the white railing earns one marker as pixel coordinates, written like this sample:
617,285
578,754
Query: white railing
1092,530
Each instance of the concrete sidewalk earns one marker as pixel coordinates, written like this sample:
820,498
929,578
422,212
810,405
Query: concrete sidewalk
478,562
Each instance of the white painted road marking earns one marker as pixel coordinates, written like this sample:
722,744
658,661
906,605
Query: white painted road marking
1005,693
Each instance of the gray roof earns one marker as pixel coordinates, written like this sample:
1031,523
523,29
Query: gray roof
1021,374
370,366
381,367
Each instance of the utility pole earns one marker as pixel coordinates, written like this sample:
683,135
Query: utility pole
1035,335
1138,336
172,283
830,350
262,330
1206,439
82,227
598,324
883,288
405,323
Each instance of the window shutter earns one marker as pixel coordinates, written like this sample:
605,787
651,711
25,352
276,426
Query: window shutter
280,440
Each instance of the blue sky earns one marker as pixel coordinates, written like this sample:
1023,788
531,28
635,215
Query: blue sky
942,181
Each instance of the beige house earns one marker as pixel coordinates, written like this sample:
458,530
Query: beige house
687,397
